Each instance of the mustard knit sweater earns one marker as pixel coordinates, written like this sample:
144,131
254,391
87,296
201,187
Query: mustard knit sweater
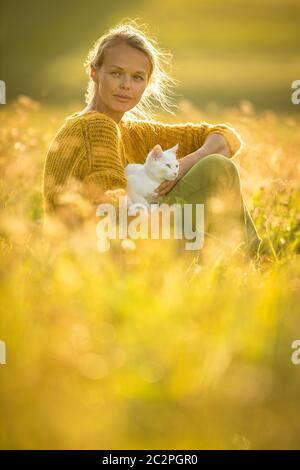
93,149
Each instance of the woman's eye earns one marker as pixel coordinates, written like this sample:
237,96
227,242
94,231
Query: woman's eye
137,76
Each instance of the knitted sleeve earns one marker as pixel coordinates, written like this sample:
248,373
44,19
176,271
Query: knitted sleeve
86,151
105,167
66,153
189,136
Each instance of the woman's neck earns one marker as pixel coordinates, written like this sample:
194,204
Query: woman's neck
96,105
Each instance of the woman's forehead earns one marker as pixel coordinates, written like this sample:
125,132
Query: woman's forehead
127,57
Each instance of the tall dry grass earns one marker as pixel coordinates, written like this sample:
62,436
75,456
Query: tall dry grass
135,347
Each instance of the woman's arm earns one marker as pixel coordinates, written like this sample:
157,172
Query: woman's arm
83,161
65,152
195,142
214,143
192,138
106,168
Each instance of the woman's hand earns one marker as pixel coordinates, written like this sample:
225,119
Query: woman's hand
185,164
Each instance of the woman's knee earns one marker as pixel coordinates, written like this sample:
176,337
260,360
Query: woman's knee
218,163
218,168
217,160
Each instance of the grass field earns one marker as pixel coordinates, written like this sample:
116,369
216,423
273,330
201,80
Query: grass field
129,348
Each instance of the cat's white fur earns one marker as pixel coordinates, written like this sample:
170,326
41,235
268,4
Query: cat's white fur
143,179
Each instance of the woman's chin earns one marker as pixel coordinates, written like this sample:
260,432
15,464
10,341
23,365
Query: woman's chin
122,105
123,108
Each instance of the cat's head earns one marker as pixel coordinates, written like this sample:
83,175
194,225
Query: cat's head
163,163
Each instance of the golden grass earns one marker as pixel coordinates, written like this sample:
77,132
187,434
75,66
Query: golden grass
131,348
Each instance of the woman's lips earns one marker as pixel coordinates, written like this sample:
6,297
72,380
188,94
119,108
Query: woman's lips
121,98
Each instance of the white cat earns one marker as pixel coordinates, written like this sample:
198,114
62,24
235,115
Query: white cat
143,179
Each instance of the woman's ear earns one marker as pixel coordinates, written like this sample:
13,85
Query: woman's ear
93,73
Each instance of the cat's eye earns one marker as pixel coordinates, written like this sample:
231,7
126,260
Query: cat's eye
168,165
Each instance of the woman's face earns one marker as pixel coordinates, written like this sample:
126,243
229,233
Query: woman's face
124,72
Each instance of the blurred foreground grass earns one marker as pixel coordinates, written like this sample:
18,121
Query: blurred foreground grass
128,348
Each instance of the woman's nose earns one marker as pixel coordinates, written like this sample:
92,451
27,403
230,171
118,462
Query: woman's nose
126,82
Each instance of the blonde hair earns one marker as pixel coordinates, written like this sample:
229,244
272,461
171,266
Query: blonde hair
158,91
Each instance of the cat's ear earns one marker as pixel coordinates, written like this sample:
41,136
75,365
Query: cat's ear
174,149
156,152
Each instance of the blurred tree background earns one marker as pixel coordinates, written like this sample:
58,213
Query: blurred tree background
222,52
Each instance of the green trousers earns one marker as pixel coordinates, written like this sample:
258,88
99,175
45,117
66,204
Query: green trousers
215,182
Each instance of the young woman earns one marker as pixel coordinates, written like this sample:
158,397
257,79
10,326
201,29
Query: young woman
93,146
